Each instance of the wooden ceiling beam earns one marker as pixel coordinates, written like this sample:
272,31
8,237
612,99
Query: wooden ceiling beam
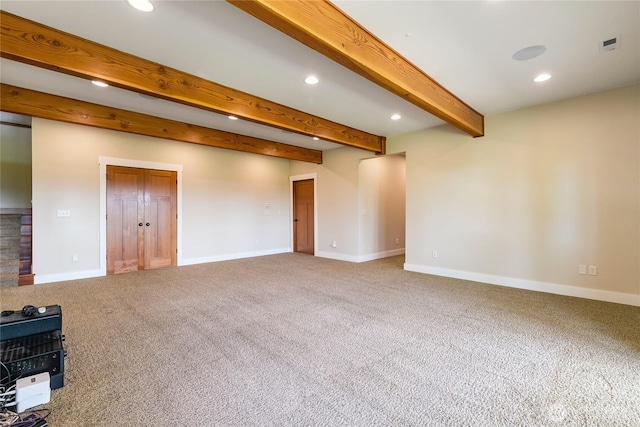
31,43
323,27
42,105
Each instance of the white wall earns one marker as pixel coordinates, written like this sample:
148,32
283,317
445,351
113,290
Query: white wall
222,199
350,181
15,167
547,189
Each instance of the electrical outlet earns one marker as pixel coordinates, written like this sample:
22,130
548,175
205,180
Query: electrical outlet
593,270
397,241
582,269
63,213
74,257
434,254
334,244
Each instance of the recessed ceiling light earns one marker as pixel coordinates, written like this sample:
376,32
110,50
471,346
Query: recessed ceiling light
99,83
141,5
396,117
542,78
315,138
233,118
311,80
529,53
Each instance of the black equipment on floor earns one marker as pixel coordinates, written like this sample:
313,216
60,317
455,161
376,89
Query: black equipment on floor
29,321
31,343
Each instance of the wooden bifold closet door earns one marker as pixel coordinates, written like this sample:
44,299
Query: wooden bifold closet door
141,219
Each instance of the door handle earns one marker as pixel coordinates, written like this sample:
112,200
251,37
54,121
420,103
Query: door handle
148,224
139,224
295,220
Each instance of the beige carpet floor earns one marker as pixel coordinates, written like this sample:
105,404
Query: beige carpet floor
293,340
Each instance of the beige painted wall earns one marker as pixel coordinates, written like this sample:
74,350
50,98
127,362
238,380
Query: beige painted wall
345,189
547,189
337,184
15,167
382,205
223,198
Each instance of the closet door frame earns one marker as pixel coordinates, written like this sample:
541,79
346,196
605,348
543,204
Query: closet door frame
103,161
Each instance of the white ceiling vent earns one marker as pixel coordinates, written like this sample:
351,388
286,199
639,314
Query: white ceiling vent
610,44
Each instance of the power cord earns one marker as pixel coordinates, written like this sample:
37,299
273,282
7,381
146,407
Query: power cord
25,419
8,418
6,395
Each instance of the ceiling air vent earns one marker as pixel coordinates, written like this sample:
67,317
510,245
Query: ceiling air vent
609,44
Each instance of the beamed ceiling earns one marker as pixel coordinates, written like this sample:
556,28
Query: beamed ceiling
179,71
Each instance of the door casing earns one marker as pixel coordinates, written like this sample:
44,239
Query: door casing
103,161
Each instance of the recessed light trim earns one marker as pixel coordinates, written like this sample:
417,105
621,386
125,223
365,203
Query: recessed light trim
315,138
529,53
99,83
141,5
396,116
232,118
311,80
542,78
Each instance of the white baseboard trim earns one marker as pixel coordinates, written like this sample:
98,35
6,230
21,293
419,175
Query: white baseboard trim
336,256
380,255
552,288
360,258
228,257
40,279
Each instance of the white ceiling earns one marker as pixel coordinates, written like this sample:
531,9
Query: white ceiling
467,46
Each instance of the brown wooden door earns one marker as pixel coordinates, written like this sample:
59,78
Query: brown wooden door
141,219
160,219
303,216
125,211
